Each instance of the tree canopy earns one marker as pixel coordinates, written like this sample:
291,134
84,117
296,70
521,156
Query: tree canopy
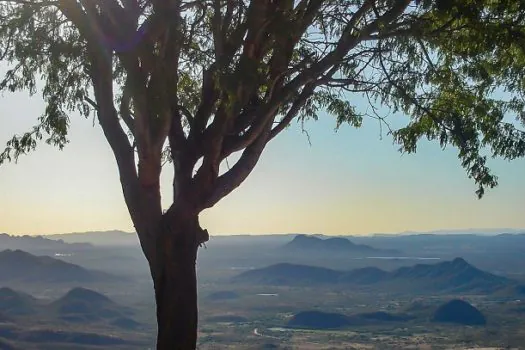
225,76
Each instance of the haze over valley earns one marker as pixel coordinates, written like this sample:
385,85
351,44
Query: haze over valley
93,291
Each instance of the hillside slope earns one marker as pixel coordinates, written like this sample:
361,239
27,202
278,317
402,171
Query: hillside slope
20,266
449,276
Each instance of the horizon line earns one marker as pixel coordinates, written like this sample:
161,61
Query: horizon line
486,231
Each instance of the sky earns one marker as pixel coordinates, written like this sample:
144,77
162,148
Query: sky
347,182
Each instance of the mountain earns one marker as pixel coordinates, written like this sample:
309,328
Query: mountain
99,238
20,266
85,305
334,245
78,306
38,243
13,303
454,276
289,274
449,276
459,312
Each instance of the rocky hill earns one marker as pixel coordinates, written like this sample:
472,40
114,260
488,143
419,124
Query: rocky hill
85,305
459,312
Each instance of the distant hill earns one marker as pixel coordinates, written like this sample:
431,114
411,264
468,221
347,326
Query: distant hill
38,243
13,303
334,245
453,276
85,305
289,274
79,305
459,312
99,238
20,266
450,276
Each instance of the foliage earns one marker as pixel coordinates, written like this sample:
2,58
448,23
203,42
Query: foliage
222,76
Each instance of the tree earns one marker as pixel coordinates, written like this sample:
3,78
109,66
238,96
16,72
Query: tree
192,83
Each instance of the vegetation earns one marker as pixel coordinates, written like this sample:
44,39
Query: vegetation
459,312
198,82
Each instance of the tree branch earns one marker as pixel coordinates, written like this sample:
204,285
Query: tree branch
293,111
124,108
233,178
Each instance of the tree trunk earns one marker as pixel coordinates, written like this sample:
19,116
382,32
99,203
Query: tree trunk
175,281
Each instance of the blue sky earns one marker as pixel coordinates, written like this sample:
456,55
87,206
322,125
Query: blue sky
349,182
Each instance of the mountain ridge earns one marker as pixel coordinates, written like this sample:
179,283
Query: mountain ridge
448,276
315,243
21,266
39,242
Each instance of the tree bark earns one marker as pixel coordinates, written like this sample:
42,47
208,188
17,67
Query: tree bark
175,281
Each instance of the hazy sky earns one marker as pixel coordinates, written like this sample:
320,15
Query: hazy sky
349,182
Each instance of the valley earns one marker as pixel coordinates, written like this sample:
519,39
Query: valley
257,293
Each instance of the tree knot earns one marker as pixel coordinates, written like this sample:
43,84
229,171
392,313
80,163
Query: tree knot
202,237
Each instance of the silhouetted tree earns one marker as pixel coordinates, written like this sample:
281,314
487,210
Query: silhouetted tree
194,82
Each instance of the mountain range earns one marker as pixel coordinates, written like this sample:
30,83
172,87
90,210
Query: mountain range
99,238
78,305
333,245
455,311
450,276
75,312
38,243
20,266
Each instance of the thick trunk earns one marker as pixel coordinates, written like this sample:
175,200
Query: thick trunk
175,282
